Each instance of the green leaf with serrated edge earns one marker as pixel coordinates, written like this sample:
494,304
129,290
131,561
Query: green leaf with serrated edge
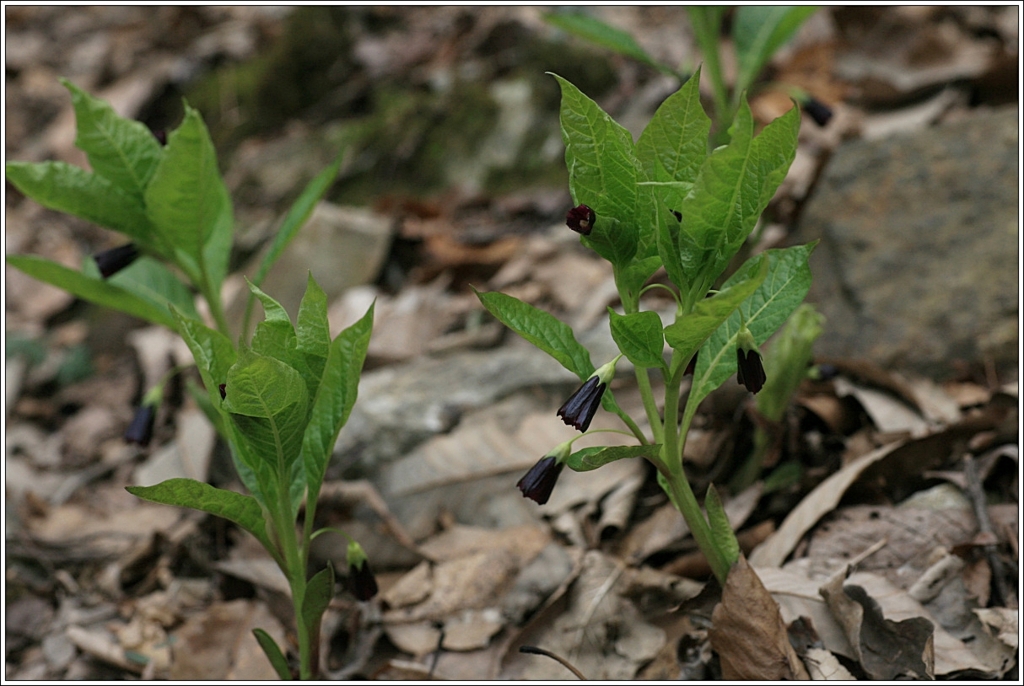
186,199
296,217
639,337
151,280
212,351
335,398
67,188
273,653
123,151
599,33
93,289
758,31
690,331
243,510
541,329
319,591
675,142
788,280
588,459
721,531
603,170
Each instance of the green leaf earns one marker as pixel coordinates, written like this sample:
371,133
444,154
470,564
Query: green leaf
631,278
121,150
67,188
541,329
319,591
599,33
588,459
675,142
243,510
639,337
186,200
335,398
689,332
273,653
721,531
603,171
267,402
296,217
312,330
788,280
213,352
150,279
758,31
93,289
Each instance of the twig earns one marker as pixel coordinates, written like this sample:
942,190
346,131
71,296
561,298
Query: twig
977,495
533,650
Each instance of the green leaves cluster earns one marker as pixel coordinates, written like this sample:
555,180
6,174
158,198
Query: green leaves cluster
280,400
666,201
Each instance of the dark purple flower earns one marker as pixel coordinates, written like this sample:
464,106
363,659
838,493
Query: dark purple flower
114,260
160,135
538,483
749,370
581,406
580,219
818,111
223,388
140,431
360,581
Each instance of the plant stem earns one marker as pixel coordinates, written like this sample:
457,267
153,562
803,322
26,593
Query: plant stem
647,394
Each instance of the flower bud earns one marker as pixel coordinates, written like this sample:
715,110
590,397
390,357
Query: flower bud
140,431
114,260
580,219
360,581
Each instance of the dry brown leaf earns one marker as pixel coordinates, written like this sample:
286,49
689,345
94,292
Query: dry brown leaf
889,414
1004,621
748,633
524,542
884,648
824,666
219,644
816,504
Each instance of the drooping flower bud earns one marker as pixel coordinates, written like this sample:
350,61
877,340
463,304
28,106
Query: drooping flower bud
580,219
581,406
749,370
140,431
538,483
360,581
114,260
818,111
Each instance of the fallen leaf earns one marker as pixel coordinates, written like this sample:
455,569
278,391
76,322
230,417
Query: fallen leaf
748,633
219,643
1005,622
824,666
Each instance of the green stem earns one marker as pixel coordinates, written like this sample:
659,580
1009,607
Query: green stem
647,394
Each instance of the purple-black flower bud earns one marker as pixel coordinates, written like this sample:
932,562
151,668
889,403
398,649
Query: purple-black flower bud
114,260
223,388
538,483
818,111
140,431
581,406
749,370
160,135
360,581
580,219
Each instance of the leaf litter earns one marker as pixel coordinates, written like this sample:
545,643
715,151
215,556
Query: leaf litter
477,573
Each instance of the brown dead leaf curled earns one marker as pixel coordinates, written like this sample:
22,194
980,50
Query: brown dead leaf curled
884,648
748,633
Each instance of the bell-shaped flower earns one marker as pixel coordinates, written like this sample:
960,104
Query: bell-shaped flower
749,370
581,406
114,260
140,431
538,483
360,581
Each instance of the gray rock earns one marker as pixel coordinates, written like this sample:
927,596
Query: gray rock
401,405
917,267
